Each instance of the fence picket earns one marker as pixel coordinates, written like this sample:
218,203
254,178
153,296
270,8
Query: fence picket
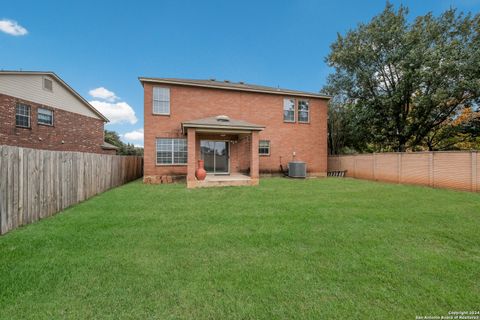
38,183
449,169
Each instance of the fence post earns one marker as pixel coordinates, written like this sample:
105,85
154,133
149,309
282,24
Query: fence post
36,183
399,164
431,178
354,165
474,171
374,166
3,190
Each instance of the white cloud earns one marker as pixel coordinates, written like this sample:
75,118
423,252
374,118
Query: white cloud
103,94
135,135
12,28
118,112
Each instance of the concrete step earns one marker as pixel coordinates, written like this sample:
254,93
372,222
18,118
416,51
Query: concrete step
223,183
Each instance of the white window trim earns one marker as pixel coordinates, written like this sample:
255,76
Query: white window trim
169,102
294,110
269,149
29,116
173,163
45,124
43,83
308,111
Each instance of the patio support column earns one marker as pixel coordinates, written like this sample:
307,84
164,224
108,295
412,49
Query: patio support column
254,158
191,163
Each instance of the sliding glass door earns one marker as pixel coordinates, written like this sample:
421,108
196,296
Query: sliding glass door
216,156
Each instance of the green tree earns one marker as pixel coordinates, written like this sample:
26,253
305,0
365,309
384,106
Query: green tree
113,138
457,133
345,133
125,149
403,80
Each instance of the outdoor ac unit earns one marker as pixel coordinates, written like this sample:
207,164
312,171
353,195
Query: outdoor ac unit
297,169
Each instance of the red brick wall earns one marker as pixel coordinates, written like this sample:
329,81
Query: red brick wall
309,141
70,131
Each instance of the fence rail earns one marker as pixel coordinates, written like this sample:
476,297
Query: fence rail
458,170
35,184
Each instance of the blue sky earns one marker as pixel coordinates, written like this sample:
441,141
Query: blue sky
102,44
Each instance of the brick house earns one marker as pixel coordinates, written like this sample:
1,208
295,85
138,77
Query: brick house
241,131
39,110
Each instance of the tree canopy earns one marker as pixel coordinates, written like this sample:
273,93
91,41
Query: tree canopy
400,85
125,149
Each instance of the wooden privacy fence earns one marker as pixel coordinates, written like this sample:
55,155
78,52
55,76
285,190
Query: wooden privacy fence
454,170
35,184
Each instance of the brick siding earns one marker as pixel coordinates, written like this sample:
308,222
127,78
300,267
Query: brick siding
307,140
70,131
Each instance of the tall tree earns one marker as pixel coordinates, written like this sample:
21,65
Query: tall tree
112,137
345,133
457,133
128,149
403,80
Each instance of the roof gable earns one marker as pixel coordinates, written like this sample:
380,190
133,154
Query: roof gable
28,85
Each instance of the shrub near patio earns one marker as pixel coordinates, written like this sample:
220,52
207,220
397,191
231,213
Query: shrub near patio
288,249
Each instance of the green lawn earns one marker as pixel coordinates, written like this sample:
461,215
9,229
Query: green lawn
288,249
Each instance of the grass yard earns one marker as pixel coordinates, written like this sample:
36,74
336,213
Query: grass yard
288,249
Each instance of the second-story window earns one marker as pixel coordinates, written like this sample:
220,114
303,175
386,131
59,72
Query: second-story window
161,101
288,110
303,111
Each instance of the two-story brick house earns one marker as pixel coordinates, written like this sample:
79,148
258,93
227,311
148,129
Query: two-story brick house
239,130
39,110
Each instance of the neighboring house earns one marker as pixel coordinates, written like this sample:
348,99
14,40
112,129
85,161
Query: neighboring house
39,110
236,128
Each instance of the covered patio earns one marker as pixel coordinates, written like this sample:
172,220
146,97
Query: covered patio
228,147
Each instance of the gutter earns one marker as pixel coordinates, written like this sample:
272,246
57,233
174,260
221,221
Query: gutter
220,128
279,92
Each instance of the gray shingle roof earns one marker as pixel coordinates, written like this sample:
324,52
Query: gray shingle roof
109,146
240,86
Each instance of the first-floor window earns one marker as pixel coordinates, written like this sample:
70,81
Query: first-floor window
45,116
22,115
264,147
171,151
303,111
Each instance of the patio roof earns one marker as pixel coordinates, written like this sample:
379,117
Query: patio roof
221,122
